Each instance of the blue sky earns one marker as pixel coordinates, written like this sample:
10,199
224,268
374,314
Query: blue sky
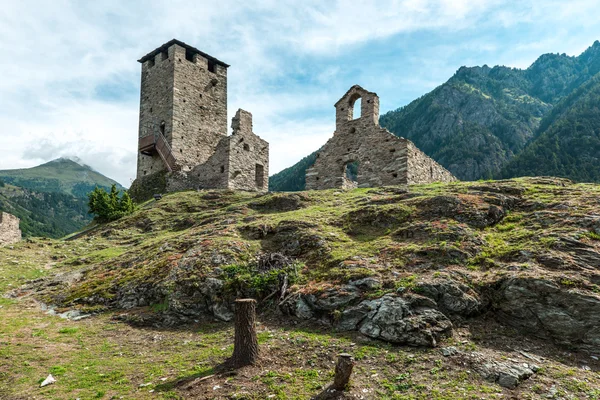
70,80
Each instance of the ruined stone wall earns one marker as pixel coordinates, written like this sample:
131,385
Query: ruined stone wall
239,162
422,169
185,90
248,156
144,187
199,108
9,229
214,173
383,158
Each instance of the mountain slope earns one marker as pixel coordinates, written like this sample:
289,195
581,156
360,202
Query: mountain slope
50,199
482,117
475,123
61,175
568,144
292,179
49,214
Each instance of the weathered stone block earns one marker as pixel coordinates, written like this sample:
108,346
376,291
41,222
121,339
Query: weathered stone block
9,229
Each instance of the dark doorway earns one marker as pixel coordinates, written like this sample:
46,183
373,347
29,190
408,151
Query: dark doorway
259,176
351,175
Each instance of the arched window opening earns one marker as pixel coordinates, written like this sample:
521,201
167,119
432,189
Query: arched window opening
357,109
162,128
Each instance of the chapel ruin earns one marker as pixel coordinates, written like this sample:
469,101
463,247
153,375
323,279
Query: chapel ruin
363,154
183,141
9,229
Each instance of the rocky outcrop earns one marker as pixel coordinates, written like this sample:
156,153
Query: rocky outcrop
508,374
395,320
544,308
537,307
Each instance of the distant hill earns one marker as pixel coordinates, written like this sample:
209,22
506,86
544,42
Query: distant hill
58,176
50,199
503,122
292,179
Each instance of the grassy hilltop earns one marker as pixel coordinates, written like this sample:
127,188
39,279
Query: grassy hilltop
502,273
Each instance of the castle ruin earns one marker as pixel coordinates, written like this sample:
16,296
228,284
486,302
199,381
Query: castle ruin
363,154
9,229
183,141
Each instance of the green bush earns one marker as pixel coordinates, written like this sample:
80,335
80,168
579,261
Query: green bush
109,206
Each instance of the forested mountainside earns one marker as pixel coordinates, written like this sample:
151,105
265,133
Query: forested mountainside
482,118
50,199
569,143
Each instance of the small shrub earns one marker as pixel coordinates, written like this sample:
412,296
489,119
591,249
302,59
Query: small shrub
109,206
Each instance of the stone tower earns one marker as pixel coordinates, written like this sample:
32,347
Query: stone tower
363,154
184,100
183,140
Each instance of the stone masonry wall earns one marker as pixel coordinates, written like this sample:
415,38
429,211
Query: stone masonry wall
156,106
248,156
199,108
214,173
383,158
241,161
188,96
422,169
9,229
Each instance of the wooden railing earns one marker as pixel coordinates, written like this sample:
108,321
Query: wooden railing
153,140
165,152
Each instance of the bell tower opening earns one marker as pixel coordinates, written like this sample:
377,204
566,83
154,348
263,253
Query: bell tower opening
356,108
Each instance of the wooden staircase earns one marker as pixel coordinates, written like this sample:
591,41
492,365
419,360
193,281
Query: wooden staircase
153,141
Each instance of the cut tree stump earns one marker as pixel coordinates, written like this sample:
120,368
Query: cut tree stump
245,348
343,370
337,390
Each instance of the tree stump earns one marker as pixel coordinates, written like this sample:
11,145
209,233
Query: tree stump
343,370
245,348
